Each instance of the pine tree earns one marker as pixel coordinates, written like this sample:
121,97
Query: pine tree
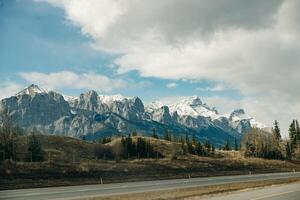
297,131
212,149
35,148
289,151
8,134
276,131
275,150
199,149
227,146
236,145
293,133
207,146
194,139
167,135
134,133
189,145
154,135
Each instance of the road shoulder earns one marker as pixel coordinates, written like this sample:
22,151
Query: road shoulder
197,192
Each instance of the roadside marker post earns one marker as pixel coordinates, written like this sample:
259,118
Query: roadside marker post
101,180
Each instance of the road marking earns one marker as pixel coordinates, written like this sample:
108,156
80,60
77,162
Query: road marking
273,195
31,194
83,190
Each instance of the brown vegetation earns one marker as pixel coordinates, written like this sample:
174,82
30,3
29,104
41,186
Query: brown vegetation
70,161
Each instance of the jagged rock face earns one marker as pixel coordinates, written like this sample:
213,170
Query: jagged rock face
131,109
90,101
243,126
36,108
93,116
195,123
162,115
241,122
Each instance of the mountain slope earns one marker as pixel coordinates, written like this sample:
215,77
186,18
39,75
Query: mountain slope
93,116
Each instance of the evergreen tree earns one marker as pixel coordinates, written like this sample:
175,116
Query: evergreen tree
207,146
293,133
35,148
199,149
134,133
236,145
154,135
167,135
227,146
8,134
194,139
212,149
297,131
289,151
276,131
190,148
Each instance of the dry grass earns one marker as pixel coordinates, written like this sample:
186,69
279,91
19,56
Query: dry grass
189,193
62,171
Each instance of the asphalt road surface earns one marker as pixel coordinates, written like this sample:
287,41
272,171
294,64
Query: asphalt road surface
284,192
84,191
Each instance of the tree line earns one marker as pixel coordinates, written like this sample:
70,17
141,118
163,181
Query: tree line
8,141
256,143
262,144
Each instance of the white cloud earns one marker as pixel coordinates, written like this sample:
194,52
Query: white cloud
172,85
252,46
9,89
72,80
216,88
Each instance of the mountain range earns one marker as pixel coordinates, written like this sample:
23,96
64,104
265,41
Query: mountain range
93,116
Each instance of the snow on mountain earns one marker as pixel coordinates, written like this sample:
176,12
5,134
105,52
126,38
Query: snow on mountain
70,98
95,114
240,115
154,105
193,106
30,90
109,100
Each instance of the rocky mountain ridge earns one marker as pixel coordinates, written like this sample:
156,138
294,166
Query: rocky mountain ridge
93,116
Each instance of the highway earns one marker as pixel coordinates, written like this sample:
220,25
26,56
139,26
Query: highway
85,191
283,192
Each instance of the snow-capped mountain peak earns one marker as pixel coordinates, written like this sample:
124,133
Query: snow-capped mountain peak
109,100
240,115
192,101
70,98
32,89
194,107
154,105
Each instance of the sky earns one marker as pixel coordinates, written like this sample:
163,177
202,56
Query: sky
232,54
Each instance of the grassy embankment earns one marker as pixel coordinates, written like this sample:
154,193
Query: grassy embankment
72,162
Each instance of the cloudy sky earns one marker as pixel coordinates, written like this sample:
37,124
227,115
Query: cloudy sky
231,53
